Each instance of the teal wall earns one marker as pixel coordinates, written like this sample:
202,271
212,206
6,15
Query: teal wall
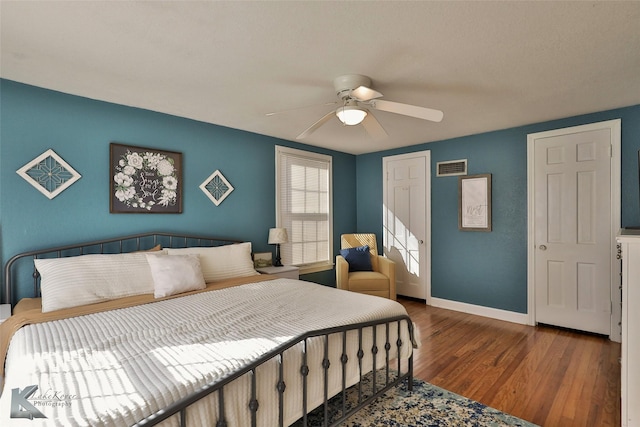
79,130
486,269
490,269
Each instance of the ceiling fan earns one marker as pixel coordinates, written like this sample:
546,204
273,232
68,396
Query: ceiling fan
357,97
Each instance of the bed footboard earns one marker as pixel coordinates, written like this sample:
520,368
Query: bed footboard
387,369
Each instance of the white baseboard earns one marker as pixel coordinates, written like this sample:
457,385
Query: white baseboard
478,310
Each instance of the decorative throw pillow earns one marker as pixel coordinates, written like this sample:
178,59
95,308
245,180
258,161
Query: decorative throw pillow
359,258
175,274
222,262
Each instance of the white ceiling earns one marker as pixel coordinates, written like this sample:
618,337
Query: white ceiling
487,65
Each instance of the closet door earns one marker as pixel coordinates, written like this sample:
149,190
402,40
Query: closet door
406,196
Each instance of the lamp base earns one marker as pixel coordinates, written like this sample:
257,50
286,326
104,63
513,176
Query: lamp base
278,261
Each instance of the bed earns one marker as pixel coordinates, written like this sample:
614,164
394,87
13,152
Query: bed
236,349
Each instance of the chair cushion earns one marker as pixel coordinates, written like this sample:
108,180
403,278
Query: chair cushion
368,281
359,258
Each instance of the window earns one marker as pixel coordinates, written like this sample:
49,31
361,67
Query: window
303,207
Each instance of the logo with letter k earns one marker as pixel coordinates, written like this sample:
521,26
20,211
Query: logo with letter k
21,407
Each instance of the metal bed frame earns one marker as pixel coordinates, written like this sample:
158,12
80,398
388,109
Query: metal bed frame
392,376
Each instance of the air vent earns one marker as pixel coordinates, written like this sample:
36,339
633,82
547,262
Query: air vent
452,168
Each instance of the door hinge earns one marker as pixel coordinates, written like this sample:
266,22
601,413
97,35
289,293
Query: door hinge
610,150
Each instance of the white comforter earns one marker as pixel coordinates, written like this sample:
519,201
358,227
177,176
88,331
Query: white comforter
114,368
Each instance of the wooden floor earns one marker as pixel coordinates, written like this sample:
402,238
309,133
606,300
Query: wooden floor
548,376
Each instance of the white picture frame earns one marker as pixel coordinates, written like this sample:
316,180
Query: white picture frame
49,174
216,187
474,202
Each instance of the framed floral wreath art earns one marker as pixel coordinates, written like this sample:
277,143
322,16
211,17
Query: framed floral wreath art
144,180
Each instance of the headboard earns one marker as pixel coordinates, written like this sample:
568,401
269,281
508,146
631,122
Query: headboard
21,266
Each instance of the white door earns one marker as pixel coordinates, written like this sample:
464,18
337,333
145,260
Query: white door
406,195
572,228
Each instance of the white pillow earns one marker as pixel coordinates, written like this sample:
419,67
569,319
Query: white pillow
87,279
175,274
222,262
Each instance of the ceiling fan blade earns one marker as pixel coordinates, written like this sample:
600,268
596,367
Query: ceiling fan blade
407,110
364,93
373,127
316,125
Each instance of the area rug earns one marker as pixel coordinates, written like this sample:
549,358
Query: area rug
426,405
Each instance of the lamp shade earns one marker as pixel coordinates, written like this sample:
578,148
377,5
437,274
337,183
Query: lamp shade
277,236
351,115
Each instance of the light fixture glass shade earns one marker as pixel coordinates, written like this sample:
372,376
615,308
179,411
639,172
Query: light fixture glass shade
277,236
350,115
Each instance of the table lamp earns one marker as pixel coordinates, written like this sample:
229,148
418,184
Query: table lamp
276,237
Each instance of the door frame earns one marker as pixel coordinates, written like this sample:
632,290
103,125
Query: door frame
614,127
427,226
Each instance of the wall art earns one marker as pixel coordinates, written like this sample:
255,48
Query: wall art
144,180
49,174
216,187
474,202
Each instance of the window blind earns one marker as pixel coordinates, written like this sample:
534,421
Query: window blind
304,207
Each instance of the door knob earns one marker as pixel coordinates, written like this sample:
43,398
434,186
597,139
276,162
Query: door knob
543,247
421,241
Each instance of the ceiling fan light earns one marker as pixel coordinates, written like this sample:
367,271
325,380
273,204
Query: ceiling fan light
350,115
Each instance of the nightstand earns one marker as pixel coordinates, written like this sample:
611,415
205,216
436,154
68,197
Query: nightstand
286,271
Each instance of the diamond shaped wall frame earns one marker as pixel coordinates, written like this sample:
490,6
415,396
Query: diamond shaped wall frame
49,174
216,187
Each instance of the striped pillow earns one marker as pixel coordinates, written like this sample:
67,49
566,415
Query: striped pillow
222,262
87,279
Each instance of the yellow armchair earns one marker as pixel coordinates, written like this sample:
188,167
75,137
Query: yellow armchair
380,282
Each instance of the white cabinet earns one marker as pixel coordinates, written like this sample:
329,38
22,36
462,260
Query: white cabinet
286,271
629,241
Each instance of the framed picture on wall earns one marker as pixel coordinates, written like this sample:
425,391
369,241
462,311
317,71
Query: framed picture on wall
144,180
474,202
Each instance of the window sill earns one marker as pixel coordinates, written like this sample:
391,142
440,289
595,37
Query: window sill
308,269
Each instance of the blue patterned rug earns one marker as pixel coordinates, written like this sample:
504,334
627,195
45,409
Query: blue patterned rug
426,405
